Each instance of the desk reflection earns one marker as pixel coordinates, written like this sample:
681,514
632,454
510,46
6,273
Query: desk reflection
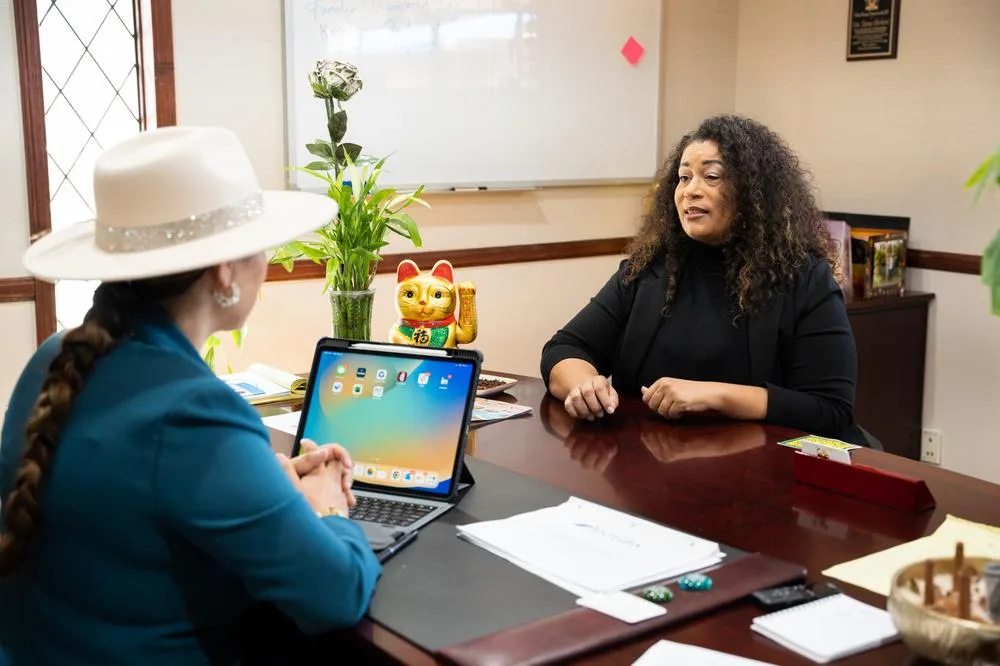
594,444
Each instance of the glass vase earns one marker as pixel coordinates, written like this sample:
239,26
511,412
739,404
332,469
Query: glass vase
352,314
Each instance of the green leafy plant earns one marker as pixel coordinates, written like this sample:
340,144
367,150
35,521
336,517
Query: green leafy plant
350,245
989,172
334,82
212,350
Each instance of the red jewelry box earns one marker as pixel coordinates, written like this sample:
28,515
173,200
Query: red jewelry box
899,491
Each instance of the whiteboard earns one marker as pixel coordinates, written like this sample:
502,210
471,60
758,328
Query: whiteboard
482,93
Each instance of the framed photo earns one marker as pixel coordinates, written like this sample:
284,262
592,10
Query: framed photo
879,262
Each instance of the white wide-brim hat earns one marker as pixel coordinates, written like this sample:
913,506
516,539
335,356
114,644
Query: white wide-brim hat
172,200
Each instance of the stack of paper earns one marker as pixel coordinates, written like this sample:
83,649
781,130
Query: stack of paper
496,410
587,549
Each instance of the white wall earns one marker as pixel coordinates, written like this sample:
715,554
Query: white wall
17,320
900,137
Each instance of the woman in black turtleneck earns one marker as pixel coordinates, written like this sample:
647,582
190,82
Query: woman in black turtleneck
726,303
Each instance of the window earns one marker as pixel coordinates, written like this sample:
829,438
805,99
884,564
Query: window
93,99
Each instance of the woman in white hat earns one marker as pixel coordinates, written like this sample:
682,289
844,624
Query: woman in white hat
144,512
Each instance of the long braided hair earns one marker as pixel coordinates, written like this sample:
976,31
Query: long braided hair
107,323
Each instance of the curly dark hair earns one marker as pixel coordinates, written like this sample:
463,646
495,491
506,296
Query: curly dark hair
776,227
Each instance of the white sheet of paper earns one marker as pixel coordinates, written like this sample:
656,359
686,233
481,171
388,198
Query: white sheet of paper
285,422
622,606
668,653
586,548
874,572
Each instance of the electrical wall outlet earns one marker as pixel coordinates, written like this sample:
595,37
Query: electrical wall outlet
930,446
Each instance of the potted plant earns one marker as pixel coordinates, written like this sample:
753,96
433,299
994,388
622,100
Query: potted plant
350,245
989,171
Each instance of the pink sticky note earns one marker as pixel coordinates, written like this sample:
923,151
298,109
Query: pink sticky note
632,51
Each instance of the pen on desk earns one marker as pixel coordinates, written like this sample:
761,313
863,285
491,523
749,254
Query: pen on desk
481,188
389,551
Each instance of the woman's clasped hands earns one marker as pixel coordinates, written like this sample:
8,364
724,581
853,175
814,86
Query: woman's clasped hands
673,398
323,474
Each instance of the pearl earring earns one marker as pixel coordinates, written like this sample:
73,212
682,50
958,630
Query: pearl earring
229,301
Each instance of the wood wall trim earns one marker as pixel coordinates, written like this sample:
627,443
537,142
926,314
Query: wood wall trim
161,18
468,257
35,154
948,262
17,289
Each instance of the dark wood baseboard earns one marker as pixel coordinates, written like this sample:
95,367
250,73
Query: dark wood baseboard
17,289
948,262
464,258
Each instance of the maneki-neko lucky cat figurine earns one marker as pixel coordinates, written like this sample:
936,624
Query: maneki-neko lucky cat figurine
426,306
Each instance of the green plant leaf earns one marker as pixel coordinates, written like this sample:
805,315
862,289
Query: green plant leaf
337,126
988,171
320,148
352,150
317,166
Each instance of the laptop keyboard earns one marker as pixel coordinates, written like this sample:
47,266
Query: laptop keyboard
389,512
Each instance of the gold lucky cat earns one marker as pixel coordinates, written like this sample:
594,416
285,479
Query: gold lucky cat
426,306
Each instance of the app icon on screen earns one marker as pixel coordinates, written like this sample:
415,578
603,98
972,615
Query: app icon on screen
357,389
362,372
423,378
396,475
407,476
419,477
341,369
401,376
370,471
432,479
377,391
337,387
381,374
381,474
444,381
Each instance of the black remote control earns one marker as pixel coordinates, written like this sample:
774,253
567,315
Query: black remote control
777,598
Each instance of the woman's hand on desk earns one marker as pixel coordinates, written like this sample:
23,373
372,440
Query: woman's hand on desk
673,398
324,475
591,399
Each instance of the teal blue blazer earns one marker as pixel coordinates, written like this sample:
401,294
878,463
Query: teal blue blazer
165,519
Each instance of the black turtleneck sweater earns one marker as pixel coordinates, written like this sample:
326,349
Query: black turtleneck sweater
698,340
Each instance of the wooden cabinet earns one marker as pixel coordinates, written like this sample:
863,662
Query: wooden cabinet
891,337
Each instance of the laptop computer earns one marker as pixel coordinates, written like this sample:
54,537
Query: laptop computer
403,413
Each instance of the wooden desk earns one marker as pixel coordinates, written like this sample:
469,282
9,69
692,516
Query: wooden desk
726,482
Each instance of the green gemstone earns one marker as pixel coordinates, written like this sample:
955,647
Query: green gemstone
658,594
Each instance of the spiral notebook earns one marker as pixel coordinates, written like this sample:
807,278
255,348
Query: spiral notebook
828,629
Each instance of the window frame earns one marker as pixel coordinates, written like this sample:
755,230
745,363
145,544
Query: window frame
154,28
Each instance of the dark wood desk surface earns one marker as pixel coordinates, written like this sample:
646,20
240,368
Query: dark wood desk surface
726,482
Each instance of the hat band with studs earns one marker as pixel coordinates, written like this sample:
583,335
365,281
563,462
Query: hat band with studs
166,234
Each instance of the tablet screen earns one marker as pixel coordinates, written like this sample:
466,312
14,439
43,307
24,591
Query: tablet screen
400,417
